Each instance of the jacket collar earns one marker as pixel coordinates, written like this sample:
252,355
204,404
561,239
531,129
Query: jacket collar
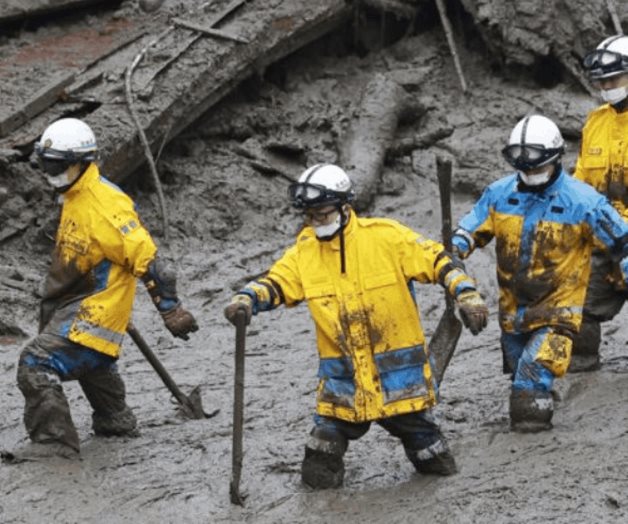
89,176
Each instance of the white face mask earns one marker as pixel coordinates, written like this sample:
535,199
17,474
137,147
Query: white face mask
614,96
535,180
329,230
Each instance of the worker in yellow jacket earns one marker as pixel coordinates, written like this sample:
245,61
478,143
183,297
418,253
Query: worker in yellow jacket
101,249
603,163
357,275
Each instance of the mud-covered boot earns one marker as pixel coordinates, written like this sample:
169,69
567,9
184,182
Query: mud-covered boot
585,354
531,411
436,459
121,424
322,470
39,451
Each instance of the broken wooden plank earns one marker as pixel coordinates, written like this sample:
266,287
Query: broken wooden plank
190,85
214,21
209,31
208,72
364,147
12,118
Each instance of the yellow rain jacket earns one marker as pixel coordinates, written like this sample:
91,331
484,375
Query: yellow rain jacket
101,247
373,356
603,159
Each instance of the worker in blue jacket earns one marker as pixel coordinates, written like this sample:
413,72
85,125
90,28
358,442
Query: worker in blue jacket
545,224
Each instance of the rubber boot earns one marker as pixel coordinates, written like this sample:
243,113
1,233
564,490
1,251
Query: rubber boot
322,470
585,355
121,424
436,459
39,451
531,411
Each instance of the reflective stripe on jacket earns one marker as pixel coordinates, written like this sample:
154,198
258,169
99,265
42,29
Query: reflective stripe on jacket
373,356
101,247
603,158
543,245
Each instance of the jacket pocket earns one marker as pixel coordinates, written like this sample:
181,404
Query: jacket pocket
336,382
593,161
319,291
401,373
381,280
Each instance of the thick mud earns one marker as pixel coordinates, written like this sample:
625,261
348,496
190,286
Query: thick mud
230,220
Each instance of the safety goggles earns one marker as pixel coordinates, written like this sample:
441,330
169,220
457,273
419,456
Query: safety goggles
304,195
602,63
525,157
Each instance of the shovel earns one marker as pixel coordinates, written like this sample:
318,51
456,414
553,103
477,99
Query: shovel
190,404
445,338
238,411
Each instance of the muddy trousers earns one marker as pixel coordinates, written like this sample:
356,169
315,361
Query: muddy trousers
534,359
603,302
425,446
49,360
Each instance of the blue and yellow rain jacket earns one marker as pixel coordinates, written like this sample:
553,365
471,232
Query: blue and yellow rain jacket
101,247
543,245
373,355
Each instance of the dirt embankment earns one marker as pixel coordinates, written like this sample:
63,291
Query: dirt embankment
230,220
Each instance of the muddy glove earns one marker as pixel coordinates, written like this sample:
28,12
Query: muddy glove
473,310
239,302
179,321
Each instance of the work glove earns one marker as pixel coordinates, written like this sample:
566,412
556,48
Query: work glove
473,310
239,302
179,322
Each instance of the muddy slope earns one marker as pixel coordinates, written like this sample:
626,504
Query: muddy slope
230,220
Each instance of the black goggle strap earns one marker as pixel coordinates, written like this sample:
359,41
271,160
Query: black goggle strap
72,157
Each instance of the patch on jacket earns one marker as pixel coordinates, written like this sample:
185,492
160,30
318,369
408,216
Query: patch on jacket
125,229
594,151
74,243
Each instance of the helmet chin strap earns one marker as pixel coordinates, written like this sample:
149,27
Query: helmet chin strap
344,219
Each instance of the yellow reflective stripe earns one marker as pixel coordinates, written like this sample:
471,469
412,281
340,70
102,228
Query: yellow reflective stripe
453,278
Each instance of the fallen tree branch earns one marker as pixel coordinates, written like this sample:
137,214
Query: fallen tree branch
612,10
364,147
405,146
442,11
140,130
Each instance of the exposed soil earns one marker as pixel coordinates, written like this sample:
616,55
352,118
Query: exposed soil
230,220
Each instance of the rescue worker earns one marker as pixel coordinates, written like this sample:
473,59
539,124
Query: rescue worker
545,224
356,275
603,163
101,249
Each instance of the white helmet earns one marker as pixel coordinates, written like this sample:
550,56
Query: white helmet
609,59
534,142
321,185
69,140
